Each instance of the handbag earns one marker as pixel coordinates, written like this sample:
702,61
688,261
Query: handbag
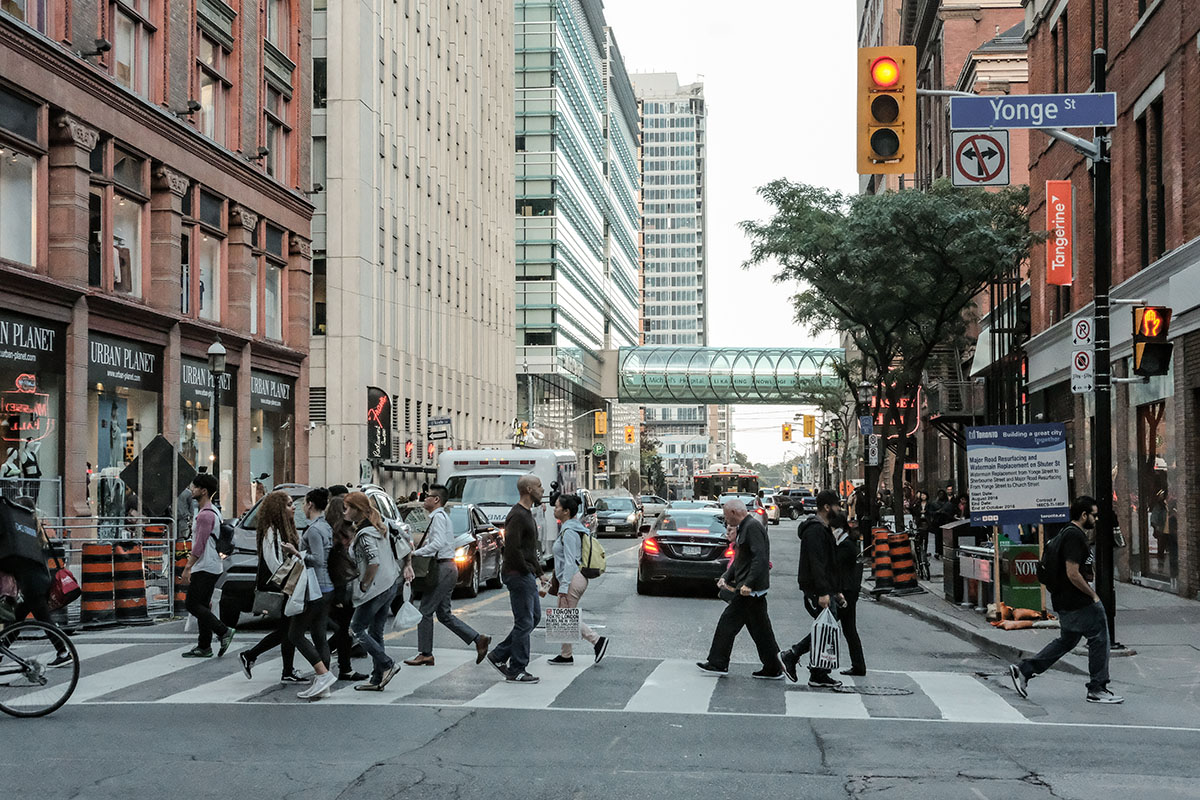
554,586
269,604
313,585
64,588
408,614
824,649
283,574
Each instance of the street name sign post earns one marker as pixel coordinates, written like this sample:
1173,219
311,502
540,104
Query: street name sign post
1034,111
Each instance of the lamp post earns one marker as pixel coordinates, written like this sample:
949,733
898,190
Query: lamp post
216,369
865,391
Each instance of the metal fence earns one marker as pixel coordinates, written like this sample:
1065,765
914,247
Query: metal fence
42,494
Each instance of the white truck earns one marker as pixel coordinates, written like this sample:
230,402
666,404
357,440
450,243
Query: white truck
488,479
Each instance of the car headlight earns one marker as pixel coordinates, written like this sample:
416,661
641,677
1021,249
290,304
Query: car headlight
462,555
631,518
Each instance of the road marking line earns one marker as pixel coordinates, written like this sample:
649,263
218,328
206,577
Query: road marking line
406,681
961,698
826,704
145,669
675,687
554,679
230,688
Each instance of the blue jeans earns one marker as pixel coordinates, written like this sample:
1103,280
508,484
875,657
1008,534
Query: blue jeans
1090,622
526,608
367,626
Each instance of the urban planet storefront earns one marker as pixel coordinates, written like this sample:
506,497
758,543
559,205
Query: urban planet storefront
124,389
32,378
272,431
196,422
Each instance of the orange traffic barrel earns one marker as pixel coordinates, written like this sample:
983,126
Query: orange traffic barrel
904,568
182,551
883,560
129,583
97,608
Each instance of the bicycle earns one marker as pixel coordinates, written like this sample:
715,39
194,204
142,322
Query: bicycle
30,684
920,545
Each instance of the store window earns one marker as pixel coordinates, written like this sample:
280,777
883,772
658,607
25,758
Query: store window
196,422
133,34
272,428
125,386
127,245
117,219
1156,512
32,380
215,86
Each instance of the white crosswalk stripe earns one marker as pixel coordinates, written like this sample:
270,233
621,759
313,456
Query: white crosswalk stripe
674,687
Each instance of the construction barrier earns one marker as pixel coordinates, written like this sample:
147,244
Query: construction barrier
129,583
182,551
904,568
98,607
882,563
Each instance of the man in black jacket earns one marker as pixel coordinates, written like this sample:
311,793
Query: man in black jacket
746,580
818,579
520,571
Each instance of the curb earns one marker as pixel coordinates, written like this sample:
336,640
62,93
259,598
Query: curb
1005,652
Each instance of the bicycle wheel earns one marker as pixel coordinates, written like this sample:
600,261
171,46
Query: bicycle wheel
33,682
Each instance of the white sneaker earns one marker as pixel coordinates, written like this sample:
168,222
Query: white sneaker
320,686
1105,697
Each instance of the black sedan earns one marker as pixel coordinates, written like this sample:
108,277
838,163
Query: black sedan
618,516
686,546
479,546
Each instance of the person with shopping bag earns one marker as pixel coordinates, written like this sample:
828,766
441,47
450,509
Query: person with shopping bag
278,578
569,581
818,580
746,582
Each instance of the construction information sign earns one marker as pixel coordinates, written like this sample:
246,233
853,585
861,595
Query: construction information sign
1017,474
562,625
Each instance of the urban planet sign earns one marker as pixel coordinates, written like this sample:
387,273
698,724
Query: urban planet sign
379,425
197,384
271,392
118,362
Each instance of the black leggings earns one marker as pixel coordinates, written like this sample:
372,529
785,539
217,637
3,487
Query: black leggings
276,638
340,640
313,620
848,617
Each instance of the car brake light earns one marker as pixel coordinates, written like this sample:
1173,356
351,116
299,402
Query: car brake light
650,546
729,552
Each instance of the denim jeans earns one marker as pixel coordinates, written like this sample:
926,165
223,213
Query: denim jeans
1090,622
367,625
526,608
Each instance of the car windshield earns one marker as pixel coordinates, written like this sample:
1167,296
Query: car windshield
614,504
694,504
695,522
748,499
484,490
250,521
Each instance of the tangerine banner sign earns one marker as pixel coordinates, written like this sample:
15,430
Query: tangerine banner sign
1060,212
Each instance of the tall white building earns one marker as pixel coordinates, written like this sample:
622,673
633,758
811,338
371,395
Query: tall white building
674,263
414,258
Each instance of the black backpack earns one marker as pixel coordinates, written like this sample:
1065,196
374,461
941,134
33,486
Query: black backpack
1049,568
225,537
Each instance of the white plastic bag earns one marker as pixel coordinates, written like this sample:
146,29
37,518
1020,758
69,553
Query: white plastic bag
295,602
408,615
823,653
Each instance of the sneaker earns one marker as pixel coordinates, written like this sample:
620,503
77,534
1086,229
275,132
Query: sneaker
561,660
823,682
501,668
787,662
197,652
292,677
1104,697
482,643
368,687
247,664
226,640
389,673
601,648
352,675
522,677
320,686
768,675
710,669
1020,682
60,660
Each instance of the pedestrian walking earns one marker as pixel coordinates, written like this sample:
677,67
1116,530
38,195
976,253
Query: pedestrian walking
568,552
314,619
439,546
342,572
204,569
818,579
1080,612
520,571
275,525
848,558
373,589
941,513
748,579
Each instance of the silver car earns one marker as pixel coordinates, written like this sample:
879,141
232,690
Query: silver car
771,503
652,506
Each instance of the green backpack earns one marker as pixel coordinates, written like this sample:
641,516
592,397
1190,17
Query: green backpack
592,560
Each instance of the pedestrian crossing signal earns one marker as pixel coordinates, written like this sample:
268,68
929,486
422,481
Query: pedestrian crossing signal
629,434
430,451
887,110
409,448
1151,350
787,431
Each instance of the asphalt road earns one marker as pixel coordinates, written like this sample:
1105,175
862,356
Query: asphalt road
939,720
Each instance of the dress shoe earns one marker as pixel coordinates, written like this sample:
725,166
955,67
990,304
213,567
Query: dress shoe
482,643
420,661
853,672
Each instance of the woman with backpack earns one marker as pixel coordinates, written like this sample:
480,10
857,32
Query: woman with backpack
373,589
276,524
568,553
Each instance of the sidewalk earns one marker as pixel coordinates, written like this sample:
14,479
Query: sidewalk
1162,629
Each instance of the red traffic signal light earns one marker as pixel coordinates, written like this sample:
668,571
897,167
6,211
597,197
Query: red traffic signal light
887,110
1151,350
885,72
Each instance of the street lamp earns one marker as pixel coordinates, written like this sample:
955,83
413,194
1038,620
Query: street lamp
216,369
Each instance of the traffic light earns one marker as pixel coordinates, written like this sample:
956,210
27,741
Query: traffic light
629,434
601,423
887,110
787,431
409,448
1151,350
430,451
602,466
810,426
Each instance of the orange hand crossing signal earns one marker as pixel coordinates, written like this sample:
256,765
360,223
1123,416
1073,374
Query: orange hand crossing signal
1151,350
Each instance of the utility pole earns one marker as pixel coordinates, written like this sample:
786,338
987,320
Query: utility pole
1102,429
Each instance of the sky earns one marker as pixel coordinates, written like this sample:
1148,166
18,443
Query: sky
780,87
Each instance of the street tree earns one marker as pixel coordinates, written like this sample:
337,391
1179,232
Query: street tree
896,273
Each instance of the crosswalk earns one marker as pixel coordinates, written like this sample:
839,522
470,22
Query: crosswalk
133,672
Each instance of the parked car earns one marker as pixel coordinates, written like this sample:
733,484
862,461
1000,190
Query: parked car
685,546
479,545
771,505
237,585
652,505
618,515
587,510
684,504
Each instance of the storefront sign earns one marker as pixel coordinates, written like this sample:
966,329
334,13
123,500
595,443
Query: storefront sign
31,345
197,383
32,355
379,425
272,392
1017,474
120,362
1060,263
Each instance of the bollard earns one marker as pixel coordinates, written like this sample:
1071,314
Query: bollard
904,568
882,562
129,583
182,551
97,608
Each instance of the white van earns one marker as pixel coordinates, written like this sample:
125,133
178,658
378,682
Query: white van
488,479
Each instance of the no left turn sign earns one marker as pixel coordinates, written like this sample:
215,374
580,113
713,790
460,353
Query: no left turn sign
980,158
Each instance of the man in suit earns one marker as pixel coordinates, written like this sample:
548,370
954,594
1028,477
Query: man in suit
818,579
746,582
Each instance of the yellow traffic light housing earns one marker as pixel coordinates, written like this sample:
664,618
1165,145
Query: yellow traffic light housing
1151,350
601,427
887,110
810,426
629,434
787,431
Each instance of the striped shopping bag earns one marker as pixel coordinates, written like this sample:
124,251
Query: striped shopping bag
823,654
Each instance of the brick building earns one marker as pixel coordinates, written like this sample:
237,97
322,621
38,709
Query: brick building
155,158
1153,64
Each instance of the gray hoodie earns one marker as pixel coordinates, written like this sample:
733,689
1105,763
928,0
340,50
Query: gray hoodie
568,550
372,547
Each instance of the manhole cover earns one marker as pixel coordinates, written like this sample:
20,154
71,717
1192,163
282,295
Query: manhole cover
880,691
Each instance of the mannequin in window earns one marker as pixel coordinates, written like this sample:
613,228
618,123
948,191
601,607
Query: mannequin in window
31,471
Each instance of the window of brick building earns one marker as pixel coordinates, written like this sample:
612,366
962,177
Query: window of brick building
214,89
277,129
19,155
273,282
132,39
1153,188
118,223
277,23
31,12
204,248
